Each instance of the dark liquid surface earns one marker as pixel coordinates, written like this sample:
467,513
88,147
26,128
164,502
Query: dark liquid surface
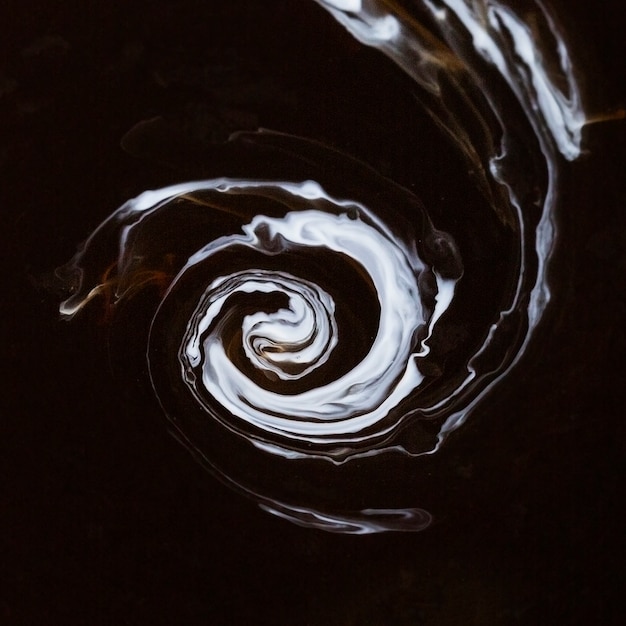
109,520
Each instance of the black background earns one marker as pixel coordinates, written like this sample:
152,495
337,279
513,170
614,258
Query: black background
105,519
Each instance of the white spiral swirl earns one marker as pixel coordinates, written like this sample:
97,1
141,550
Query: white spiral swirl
251,337
343,407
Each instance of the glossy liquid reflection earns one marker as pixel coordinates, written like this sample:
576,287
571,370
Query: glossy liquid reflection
314,316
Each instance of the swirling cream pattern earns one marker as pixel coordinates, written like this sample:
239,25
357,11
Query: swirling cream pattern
263,329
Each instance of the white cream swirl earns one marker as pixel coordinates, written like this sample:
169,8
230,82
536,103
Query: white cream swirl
327,324
339,408
345,415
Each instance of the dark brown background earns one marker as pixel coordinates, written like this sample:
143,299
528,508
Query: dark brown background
105,519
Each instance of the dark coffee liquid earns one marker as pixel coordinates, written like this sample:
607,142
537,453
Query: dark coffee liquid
104,106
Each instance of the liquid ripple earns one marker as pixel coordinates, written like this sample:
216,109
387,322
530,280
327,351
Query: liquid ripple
311,312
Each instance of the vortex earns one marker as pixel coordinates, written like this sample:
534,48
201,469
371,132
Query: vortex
313,312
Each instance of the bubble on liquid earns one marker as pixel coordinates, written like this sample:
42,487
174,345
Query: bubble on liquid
322,316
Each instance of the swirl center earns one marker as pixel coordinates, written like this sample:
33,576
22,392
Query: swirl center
288,342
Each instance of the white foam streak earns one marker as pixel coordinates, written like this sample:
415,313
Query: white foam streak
492,26
364,522
345,5
365,21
